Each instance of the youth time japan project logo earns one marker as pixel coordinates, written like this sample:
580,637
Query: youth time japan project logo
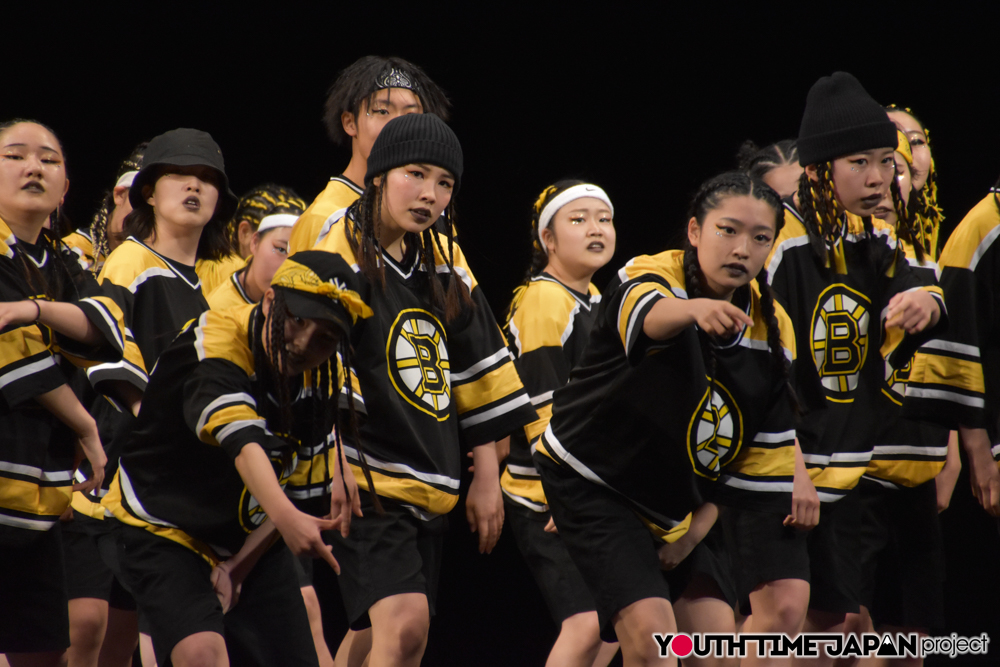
809,645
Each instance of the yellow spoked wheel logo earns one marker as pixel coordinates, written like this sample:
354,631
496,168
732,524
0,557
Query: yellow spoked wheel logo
715,434
840,337
417,356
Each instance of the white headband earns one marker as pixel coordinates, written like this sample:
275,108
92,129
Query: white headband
277,220
126,179
565,197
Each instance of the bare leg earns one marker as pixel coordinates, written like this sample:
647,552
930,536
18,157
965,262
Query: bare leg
635,625
354,648
88,621
202,649
316,625
703,608
778,606
399,630
121,638
579,643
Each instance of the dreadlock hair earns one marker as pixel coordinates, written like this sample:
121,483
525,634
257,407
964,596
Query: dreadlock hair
363,237
214,242
821,212
927,213
758,161
539,258
263,200
49,239
709,197
907,225
357,84
99,224
322,388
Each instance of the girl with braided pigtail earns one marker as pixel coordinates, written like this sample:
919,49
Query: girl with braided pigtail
844,281
434,374
634,487
923,200
548,325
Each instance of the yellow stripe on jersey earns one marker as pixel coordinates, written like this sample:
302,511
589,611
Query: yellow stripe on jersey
842,478
532,331
974,235
213,273
957,373
408,490
24,496
667,535
226,418
19,344
335,196
214,339
86,506
630,301
113,502
765,462
537,427
523,488
491,387
906,473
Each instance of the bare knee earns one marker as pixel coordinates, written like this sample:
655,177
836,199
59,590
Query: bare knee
202,649
636,625
780,606
399,626
583,630
88,619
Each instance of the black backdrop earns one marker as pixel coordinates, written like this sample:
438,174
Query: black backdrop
646,101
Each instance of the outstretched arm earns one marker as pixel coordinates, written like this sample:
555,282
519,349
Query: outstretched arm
65,318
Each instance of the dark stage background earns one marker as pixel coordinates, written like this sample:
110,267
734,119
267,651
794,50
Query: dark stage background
646,102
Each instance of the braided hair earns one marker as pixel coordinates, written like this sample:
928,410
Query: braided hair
48,239
358,84
539,258
709,197
927,213
362,229
263,200
758,161
321,389
99,224
822,213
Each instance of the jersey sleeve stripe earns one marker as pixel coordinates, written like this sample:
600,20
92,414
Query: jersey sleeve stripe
224,400
948,346
500,355
232,426
490,388
502,409
636,302
32,368
954,397
773,438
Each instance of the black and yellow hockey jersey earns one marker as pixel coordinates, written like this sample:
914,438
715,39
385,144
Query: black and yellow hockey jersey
82,244
202,406
156,297
954,380
427,386
229,294
339,193
638,417
547,333
36,450
906,452
838,316
215,272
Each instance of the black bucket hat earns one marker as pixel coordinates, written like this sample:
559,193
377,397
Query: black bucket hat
320,285
184,147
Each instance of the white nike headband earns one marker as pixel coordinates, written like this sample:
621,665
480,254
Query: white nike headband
277,220
565,197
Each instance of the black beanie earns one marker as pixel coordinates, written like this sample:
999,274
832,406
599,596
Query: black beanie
842,118
415,137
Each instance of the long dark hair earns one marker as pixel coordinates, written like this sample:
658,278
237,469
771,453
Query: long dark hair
709,197
325,420
362,226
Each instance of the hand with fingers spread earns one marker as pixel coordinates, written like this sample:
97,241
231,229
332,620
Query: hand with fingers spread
913,311
484,504
303,534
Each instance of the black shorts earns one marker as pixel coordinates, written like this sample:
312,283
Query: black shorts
268,625
387,555
834,545
303,570
712,559
903,560
87,543
563,588
614,551
33,602
762,549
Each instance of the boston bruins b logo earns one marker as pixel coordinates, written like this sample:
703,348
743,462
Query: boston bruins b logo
715,433
251,513
840,337
417,355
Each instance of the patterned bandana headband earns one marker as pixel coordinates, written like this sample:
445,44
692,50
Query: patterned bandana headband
299,277
565,197
394,78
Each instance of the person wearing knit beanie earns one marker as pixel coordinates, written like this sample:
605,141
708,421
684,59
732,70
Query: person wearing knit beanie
437,381
840,276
